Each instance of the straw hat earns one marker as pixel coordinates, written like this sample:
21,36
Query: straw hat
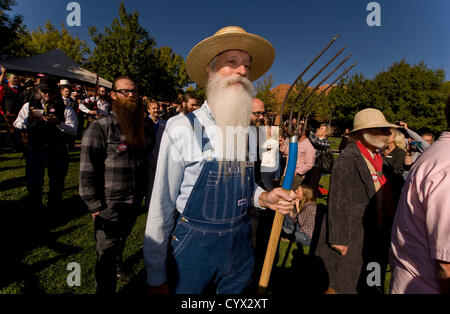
229,38
370,118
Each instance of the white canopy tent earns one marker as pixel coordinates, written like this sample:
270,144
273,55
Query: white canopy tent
54,63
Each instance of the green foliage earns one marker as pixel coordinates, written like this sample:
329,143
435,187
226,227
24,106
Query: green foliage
10,29
40,41
126,48
173,76
263,93
414,94
350,96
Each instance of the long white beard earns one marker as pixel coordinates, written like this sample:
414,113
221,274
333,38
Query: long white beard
375,141
231,103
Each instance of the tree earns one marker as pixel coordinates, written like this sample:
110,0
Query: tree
413,94
263,93
126,48
173,70
40,41
349,96
10,29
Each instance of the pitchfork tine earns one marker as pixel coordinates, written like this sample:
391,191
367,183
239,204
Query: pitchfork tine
309,82
316,88
331,84
308,111
301,74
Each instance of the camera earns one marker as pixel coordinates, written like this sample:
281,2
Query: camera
416,144
49,109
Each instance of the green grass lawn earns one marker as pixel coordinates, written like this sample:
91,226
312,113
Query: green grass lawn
35,258
38,256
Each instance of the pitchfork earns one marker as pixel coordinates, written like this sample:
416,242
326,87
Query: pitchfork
294,132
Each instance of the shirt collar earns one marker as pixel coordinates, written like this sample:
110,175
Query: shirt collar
205,107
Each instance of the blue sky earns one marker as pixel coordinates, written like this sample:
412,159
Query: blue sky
414,30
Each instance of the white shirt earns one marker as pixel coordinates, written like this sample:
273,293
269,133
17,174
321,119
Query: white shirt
69,126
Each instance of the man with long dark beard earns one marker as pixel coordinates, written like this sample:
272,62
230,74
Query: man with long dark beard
198,235
113,176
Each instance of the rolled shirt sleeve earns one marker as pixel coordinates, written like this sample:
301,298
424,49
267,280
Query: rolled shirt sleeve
83,108
21,121
70,125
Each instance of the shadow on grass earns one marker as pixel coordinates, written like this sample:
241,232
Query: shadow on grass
137,284
4,158
307,275
24,227
11,168
12,183
74,159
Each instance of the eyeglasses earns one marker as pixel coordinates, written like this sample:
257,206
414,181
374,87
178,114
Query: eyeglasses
126,92
259,113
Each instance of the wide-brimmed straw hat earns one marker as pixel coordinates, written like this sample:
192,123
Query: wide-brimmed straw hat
370,118
229,38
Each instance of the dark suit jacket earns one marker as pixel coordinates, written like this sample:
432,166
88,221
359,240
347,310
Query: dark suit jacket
351,220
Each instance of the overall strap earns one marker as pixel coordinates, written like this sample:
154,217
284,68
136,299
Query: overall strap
199,132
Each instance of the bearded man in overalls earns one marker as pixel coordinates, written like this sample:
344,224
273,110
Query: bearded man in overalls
198,234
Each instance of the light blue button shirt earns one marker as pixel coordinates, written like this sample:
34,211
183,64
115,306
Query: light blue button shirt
180,162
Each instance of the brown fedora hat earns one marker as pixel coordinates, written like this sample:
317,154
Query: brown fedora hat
370,118
229,38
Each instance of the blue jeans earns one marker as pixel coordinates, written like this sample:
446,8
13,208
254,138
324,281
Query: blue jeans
292,227
211,244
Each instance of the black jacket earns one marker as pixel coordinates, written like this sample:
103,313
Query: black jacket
351,220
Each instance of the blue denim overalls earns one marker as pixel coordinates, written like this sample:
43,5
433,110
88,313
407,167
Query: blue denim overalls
211,244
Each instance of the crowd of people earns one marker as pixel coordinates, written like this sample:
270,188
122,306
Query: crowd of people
209,210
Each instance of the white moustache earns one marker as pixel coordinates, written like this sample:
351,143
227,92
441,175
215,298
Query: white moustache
239,79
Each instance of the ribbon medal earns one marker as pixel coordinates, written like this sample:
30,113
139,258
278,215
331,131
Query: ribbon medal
122,147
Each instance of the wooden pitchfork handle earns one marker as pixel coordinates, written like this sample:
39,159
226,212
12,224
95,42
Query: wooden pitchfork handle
272,248
279,218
